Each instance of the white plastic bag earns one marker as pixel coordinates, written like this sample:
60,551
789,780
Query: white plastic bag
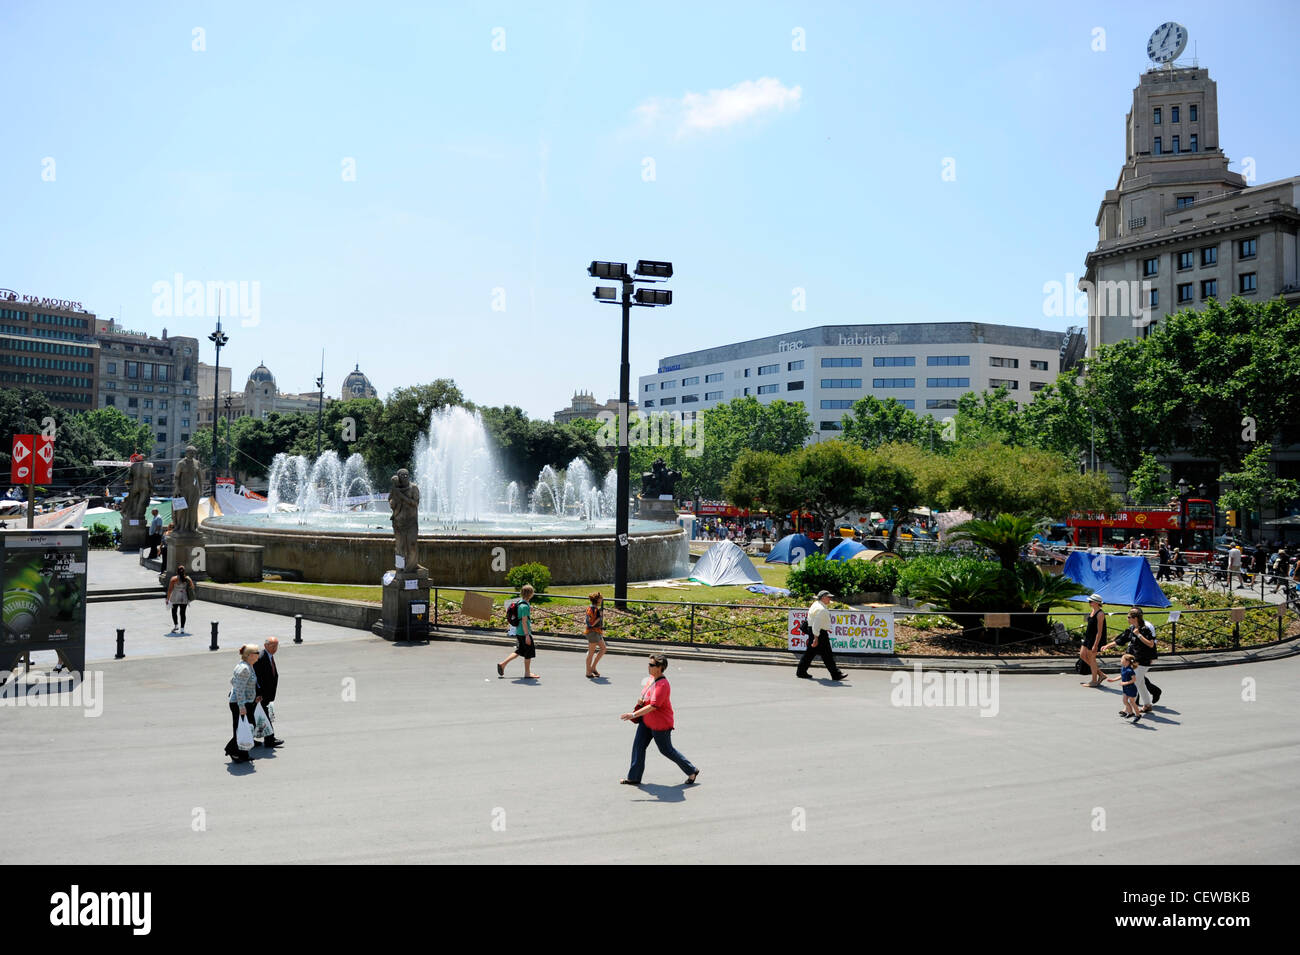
244,734
261,723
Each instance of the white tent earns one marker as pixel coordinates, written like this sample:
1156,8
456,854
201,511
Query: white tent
725,564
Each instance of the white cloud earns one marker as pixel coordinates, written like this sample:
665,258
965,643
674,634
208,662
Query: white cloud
718,109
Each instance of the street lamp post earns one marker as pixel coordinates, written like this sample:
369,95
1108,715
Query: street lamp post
646,271
229,403
218,339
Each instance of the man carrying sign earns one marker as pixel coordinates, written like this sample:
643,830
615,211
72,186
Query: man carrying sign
820,622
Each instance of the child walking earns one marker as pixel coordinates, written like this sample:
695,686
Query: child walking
1128,680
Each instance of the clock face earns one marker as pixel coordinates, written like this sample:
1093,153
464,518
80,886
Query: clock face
1169,40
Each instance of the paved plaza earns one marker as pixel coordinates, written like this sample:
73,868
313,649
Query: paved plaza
401,753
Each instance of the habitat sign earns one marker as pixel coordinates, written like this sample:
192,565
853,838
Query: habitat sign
853,631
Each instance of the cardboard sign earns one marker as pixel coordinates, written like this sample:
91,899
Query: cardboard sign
412,584
997,620
852,631
478,606
399,562
179,504
1238,614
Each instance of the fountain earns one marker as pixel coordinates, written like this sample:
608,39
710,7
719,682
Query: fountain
325,523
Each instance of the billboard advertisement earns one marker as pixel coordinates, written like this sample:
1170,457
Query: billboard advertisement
44,595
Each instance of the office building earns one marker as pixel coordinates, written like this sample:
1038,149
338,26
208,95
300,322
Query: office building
48,345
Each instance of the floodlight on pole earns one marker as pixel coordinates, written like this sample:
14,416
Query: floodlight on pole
654,270
605,293
654,296
608,270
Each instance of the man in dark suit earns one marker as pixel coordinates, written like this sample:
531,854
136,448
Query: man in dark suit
268,679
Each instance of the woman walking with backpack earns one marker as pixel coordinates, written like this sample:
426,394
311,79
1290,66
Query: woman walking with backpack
519,614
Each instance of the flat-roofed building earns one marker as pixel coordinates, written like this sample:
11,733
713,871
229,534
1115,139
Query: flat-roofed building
48,345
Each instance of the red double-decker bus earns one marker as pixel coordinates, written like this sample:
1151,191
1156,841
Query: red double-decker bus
1189,525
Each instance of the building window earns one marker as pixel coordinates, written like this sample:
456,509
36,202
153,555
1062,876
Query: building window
1247,248
746,395
132,369
1175,144
841,362
146,371
1037,365
148,402
185,423
650,387
741,373
1184,202
112,368
1173,114
841,382
895,361
665,402
1158,151
794,386
768,369
1153,298
1191,113
893,382
908,403
933,360
1185,260
162,421
716,376
1036,385
690,399
110,401
1210,288
831,426
1156,117
1246,283
147,419
1185,292
713,396
667,385
1006,383
693,380
648,403
947,382
940,404
794,365
1195,147
1210,255
133,402
768,389
836,404
1005,362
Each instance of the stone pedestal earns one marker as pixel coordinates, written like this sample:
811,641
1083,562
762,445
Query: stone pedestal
401,590
134,536
180,552
656,509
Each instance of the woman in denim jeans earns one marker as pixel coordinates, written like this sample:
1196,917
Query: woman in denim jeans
654,718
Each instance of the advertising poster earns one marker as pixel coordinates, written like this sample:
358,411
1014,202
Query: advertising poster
44,595
854,631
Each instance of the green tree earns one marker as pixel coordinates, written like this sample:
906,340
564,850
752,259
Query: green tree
1057,418
1256,485
988,418
873,422
739,425
829,480
1147,485
993,478
120,436
749,483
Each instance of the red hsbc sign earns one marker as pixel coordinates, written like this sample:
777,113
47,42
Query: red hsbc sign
32,460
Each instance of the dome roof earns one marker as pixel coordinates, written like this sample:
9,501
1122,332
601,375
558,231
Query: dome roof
261,374
357,385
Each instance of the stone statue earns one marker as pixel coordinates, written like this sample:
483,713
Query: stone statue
189,485
139,490
404,499
659,480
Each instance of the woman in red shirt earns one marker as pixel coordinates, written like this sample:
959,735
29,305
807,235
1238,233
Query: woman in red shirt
654,718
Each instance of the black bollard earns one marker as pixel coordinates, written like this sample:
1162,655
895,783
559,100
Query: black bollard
121,645
214,637
297,628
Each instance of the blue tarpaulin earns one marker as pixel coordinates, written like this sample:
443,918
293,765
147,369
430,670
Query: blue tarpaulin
791,549
1118,580
845,549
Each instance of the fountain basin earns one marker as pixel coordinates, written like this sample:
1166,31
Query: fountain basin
357,549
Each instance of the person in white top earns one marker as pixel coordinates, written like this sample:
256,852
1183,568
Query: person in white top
819,642
1234,566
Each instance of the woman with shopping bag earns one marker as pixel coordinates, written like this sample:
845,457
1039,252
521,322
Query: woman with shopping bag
243,699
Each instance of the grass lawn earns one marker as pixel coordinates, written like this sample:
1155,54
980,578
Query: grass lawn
681,591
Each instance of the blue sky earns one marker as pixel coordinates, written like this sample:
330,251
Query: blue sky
487,178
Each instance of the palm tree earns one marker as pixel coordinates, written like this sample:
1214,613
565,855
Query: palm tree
1006,536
